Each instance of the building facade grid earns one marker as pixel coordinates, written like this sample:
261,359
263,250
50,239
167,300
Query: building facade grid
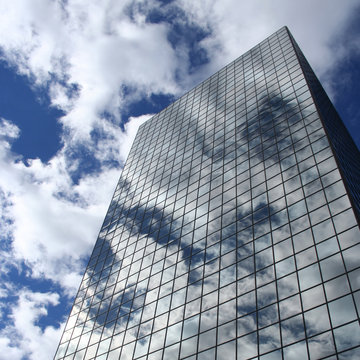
231,234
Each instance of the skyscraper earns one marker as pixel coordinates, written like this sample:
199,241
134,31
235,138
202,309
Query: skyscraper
233,231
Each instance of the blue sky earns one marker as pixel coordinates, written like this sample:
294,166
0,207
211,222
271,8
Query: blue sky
76,80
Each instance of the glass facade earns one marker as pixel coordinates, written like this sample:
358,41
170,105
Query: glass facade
233,232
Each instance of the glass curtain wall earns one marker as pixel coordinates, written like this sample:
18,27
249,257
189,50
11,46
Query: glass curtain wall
231,234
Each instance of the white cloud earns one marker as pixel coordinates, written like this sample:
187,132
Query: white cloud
96,46
22,338
8,130
54,223
15,353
